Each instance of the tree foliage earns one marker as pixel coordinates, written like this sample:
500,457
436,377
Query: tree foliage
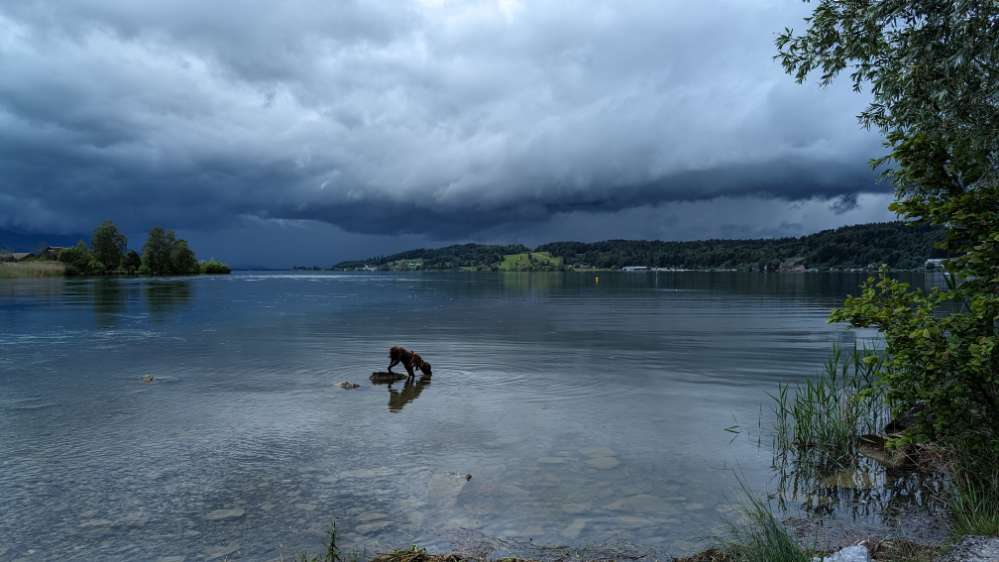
932,67
109,246
80,260
182,259
132,262
156,252
165,254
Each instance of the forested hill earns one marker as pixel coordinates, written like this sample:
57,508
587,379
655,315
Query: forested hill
896,244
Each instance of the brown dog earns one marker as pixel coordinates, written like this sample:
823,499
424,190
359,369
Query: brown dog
409,360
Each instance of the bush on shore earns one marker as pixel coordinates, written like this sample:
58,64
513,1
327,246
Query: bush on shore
214,267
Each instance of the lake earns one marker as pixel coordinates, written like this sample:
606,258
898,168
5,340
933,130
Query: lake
605,408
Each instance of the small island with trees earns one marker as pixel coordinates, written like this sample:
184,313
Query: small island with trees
108,255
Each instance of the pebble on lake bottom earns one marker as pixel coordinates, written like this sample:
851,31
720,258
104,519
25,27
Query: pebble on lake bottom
223,551
371,516
603,463
225,514
574,529
372,527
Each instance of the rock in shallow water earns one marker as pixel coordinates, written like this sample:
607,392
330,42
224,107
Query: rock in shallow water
225,514
603,463
574,529
856,553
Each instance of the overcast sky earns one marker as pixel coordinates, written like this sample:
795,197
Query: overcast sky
308,131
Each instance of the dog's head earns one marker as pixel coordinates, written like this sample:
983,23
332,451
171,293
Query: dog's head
423,365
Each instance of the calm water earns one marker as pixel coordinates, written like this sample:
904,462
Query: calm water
585,413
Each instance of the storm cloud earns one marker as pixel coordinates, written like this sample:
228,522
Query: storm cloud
436,119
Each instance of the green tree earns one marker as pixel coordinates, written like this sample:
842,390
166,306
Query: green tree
109,245
156,252
182,259
132,262
932,67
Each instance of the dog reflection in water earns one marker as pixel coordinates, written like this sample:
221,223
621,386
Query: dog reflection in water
410,391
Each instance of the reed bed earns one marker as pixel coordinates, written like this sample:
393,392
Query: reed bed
763,538
825,417
975,505
11,270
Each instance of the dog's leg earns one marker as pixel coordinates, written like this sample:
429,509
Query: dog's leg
393,364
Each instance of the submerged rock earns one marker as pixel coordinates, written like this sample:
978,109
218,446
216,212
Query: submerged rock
96,523
385,377
849,479
889,458
225,514
973,549
639,502
223,551
598,452
574,529
856,553
369,516
603,463
372,527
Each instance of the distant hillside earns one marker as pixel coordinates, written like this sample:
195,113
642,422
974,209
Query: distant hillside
896,244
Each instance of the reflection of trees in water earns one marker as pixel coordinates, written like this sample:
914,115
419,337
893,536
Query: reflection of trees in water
165,296
410,391
862,489
109,296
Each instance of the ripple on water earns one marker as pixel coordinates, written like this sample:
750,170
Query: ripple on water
580,411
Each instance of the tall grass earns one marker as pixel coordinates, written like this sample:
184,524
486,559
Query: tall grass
10,270
333,552
975,505
825,416
762,538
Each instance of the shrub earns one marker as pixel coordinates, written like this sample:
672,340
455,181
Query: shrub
80,260
214,267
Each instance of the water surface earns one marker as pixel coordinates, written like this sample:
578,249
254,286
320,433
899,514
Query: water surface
585,411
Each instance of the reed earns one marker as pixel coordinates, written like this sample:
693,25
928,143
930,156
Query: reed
32,269
762,538
333,551
974,506
825,416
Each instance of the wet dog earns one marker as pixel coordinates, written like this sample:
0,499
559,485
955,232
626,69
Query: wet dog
409,359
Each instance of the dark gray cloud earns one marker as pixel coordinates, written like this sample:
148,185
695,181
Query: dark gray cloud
437,119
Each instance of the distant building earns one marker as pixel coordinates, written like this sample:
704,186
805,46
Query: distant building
52,252
934,263
635,268
19,256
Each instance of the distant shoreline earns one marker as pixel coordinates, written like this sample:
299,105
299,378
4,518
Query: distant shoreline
897,245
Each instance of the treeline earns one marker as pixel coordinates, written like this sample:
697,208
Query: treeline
162,254
450,257
896,244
